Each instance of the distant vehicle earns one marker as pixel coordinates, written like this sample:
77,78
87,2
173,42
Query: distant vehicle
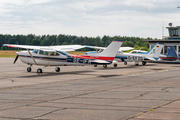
56,56
171,55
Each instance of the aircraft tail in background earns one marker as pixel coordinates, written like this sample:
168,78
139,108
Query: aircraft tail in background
155,51
171,55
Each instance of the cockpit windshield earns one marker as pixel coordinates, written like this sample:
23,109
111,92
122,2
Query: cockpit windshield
35,51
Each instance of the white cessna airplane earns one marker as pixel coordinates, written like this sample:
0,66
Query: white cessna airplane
152,55
56,55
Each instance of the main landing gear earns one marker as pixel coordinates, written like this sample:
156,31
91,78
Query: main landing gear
29,69
143,63
57,69
115,65
39,70
104,66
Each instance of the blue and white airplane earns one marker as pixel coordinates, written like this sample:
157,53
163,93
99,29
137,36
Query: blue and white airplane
152,55
56,55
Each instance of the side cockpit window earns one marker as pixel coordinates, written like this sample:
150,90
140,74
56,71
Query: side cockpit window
134,52
43,52
54,54
35,51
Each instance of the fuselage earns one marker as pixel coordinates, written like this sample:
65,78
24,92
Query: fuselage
130,57
60,58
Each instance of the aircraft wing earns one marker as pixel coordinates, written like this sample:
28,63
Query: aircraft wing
120,49
48,48
67,47
125,48
95,47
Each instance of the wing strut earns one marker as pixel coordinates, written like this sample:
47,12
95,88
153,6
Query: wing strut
32,56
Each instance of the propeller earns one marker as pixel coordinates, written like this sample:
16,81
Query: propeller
16,59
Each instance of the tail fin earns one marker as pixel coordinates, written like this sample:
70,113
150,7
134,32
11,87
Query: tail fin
112,49
171,52
155,51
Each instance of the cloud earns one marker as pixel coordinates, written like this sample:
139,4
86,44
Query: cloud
141,18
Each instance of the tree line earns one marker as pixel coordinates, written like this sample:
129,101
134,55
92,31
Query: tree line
61,39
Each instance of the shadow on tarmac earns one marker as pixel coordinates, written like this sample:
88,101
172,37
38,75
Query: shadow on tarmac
44,74
124,66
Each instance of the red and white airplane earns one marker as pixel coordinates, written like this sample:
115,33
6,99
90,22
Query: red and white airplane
56,55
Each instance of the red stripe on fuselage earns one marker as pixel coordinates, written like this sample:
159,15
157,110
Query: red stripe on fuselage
93,57
169,58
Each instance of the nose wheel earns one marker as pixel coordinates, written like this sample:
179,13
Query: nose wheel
57,69
125,63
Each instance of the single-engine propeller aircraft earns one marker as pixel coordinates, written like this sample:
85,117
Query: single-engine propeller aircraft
56,55
152,55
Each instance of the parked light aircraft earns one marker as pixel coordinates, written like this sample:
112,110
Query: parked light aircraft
56,56
170,56
152,55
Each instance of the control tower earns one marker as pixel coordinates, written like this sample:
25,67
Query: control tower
172,39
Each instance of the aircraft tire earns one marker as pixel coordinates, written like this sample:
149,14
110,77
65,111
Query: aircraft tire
105,66
143,63
57,69
29,69
95,65
115,65
39,70
125,63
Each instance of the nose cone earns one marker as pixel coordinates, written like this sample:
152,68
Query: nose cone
17,53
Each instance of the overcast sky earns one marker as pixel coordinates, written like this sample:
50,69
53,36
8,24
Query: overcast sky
139,18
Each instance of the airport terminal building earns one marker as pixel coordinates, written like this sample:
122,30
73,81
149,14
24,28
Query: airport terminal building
172,39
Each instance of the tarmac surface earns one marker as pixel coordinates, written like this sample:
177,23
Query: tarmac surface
127,92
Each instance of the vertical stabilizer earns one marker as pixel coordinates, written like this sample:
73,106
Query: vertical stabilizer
112,49
171,52
155,51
